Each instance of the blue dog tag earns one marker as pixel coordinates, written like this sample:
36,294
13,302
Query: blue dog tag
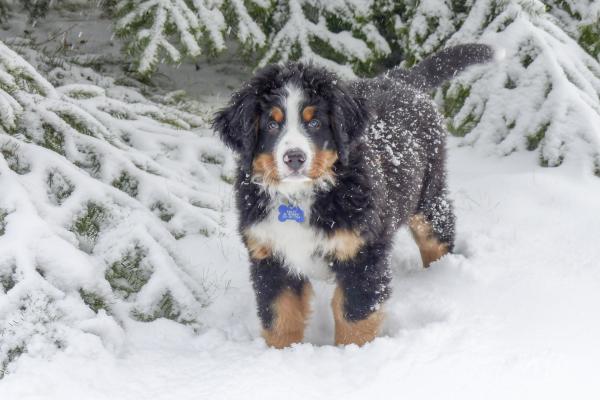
290,212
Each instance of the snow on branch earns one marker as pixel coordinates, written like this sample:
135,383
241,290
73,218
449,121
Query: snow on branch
155,17
339,34
98,186
299,35
247,29
581,20
425,27
177,28
544,96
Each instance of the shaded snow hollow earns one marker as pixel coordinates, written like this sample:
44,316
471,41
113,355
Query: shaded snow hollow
512,315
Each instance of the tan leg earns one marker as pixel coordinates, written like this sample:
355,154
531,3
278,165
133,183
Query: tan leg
430,247
357,332
291,312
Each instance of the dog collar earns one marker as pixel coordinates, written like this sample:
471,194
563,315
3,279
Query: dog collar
287,212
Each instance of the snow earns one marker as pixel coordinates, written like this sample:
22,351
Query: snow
98,185
544,94
174,28
511,315
248,29
572,15
295,38
155,38
422,34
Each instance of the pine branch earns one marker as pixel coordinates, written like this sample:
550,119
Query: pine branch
102,183
299,35
177,28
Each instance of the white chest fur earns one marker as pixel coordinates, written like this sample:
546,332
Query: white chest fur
301,246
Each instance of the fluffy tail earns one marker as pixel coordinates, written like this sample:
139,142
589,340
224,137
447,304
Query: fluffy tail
444,65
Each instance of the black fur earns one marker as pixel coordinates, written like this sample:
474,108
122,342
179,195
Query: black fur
269,278
444,65
237,123
349,118
391,146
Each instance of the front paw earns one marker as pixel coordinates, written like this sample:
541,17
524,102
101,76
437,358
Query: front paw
291,311
353,332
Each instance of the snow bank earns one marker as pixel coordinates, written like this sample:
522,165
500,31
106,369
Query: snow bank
511,315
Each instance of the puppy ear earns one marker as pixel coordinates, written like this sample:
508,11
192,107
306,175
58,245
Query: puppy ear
349,118
236,124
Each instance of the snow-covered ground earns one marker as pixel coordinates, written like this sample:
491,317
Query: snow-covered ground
512,315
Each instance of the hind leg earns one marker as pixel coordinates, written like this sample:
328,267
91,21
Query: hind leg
433,226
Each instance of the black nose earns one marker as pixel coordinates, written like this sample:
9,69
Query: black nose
294,159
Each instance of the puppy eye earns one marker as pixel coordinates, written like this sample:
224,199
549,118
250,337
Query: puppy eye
272,125
314,123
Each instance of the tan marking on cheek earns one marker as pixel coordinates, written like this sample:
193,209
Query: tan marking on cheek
277,114
291,312
265,168
308,113
344,244
430,247
257,249
322,164
353,332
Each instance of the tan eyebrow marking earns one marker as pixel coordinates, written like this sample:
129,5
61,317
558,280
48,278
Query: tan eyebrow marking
308,113
277,114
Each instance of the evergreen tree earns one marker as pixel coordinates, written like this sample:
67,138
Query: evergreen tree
171,29
337,34
581,20
544,96
423,27
98,184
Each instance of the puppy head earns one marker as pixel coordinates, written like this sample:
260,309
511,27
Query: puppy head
291,125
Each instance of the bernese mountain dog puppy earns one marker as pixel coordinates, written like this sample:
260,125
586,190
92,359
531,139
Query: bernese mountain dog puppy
327,172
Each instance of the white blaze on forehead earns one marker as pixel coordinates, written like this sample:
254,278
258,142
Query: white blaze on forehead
294,136
293,101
